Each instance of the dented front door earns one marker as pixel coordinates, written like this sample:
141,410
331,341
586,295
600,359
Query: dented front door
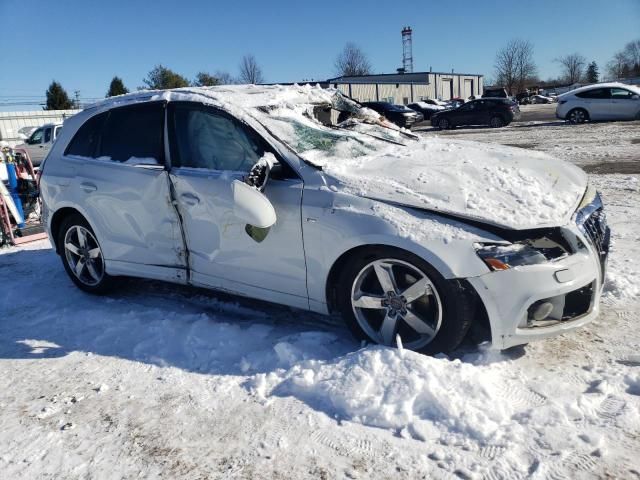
209,150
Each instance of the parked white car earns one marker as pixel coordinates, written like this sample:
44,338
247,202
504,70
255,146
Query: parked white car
535,99
40,141
602,101
253,191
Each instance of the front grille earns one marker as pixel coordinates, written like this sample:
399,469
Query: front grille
592,221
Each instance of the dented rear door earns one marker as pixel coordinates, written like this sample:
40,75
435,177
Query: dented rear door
125,193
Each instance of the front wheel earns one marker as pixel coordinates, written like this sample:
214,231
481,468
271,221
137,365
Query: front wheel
82,256
444,124
384,293
496,122
577,115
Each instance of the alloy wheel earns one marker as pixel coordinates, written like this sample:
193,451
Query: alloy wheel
391,297
83,255
577,116
496,122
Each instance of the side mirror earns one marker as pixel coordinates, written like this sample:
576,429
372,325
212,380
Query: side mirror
251,206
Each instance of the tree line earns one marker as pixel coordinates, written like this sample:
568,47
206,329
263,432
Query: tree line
161,77
515,68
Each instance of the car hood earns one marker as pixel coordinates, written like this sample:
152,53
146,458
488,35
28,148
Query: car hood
502,186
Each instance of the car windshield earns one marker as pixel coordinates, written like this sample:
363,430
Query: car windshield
341,130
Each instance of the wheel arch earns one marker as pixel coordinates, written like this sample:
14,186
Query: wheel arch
480,324
579,107
57,220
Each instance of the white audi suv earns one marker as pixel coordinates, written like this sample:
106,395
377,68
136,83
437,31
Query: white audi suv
260,192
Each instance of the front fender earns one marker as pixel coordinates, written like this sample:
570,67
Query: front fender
335,223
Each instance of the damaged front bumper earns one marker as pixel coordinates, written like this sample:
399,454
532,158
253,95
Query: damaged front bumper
533,302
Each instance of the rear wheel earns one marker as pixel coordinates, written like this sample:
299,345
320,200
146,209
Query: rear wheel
385,292
496,122
444,124
577,115
82,255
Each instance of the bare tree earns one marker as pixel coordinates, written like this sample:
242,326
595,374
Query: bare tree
352,61
250,71
572,67
617,67
225,78
632,54
515,66
625,63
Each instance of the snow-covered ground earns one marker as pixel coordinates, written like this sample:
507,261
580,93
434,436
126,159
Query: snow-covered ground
606,147
157,380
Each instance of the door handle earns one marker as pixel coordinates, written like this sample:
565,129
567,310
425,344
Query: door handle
190,199
88,187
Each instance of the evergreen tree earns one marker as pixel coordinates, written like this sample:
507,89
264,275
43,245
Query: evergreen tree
593,75
57,98
117,87
204,79
161,78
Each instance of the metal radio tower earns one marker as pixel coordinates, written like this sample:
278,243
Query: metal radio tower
407,50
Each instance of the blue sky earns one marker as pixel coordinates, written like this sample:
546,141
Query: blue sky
82,44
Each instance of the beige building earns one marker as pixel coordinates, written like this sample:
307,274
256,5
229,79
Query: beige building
404,88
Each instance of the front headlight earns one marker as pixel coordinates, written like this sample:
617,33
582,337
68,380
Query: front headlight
504,257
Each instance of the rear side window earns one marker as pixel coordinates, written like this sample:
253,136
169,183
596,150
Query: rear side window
134,133
85,141
595,93
47,135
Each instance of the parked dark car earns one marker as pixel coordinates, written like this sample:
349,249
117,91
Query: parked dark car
426,109
399,114
495,112
523,98
495,93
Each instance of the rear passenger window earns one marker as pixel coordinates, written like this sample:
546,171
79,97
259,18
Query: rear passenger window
85,141
595,93
47,135
134,134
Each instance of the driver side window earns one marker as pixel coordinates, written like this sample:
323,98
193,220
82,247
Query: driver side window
202,137
36,137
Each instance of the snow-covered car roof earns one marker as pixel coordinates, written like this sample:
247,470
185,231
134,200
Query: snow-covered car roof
242,96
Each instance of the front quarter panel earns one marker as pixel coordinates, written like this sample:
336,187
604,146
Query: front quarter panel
334,223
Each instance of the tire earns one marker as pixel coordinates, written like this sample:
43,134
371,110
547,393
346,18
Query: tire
577,116
82,256
443,314
496,122
444,124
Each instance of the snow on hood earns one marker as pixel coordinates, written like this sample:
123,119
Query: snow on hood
503,186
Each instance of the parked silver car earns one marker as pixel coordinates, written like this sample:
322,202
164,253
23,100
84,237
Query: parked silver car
602,101
40,141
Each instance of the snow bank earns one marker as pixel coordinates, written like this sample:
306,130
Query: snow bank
397,390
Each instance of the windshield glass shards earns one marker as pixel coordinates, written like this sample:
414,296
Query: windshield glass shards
342,129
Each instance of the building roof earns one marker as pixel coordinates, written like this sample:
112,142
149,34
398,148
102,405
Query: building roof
415,77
